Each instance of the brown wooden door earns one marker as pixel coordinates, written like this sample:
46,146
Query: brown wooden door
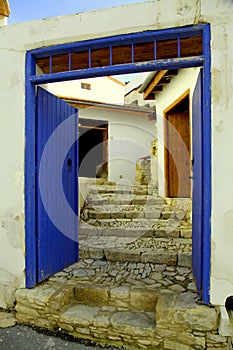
177,155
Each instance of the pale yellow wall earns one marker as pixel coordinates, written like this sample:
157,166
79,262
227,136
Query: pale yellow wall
103,89
15,40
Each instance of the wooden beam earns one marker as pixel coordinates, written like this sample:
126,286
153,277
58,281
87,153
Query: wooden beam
4,8
153,83
164,81
171,73
91,127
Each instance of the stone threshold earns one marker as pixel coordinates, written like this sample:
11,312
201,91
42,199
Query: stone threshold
166,320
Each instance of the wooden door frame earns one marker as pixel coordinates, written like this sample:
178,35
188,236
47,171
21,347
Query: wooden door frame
32,80
166,112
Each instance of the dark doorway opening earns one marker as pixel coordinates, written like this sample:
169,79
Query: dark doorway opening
93,142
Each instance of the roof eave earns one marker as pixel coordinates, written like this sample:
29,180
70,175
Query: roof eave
4,8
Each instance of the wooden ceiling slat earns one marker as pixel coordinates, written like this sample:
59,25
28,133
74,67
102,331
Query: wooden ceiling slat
100,57
144,52
121,54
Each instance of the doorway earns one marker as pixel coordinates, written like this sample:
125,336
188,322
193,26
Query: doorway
93,148
177,159
172,48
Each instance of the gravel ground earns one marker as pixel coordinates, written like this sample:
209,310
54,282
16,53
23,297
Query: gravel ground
26,338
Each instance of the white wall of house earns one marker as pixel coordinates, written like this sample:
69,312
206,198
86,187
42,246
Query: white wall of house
132,94
3,20
15,40
130,136
102,89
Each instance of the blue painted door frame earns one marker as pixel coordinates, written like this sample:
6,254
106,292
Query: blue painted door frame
32,80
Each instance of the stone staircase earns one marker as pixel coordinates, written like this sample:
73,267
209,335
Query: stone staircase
120,223
132,286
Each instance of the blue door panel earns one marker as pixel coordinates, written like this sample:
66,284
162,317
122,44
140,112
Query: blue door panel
197,196
55,249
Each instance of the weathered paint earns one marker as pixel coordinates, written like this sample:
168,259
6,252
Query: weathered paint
15,40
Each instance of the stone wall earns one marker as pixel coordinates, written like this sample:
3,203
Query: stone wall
179,321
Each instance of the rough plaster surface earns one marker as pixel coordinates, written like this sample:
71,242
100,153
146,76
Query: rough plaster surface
15,40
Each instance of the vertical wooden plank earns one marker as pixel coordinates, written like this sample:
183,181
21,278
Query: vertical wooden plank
178,155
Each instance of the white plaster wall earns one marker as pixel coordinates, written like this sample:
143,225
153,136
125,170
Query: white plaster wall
103,89
3,20
185,80
15,40
221,15
130,137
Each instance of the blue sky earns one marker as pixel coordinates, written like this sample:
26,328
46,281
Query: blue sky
28,10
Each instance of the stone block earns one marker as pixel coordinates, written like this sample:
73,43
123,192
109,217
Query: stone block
135,232
7,320
8,286
133,214
186,233
173,345
118,215
133,323
215,338
140,200
185,260
143,299
180,214
159,258
79,315
96,253
26,311
101,321
182,311
122,255
112,231
202,318
83,331
93,214
92,295
152,214
84,252
121,292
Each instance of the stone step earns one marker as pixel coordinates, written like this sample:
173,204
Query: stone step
130,212
142,228
124,296
118,189
110,325
135,228
120,199
170,258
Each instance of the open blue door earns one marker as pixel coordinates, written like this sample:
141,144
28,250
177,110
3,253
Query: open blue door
197,195
56,185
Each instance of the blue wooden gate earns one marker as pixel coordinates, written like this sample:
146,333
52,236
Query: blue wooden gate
197,196
57,184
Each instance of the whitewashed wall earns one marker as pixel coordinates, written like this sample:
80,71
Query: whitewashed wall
15,40
130,137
